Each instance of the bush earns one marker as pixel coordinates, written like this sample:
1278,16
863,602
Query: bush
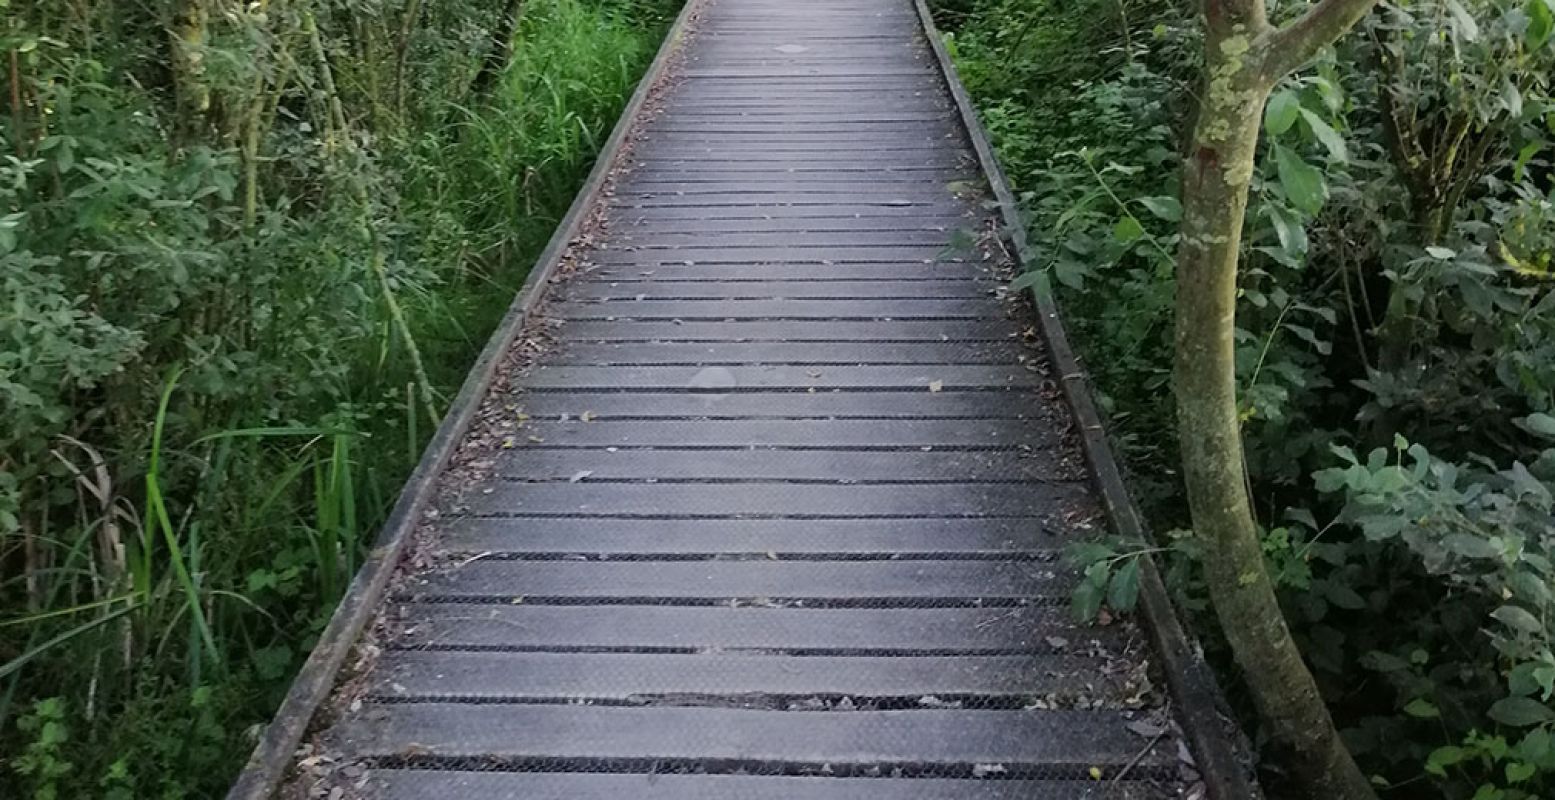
243,270
1395,287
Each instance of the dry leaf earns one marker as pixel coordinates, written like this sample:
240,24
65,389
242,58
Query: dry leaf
1145,728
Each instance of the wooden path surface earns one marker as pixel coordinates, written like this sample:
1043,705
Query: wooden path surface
780,511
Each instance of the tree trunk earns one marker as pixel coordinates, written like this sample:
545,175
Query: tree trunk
402,56
190,31
499,51
1244,59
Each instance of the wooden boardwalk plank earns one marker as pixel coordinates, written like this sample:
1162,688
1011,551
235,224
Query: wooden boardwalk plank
415,785
963,737
774,499
836,538
932,378
776,504
758,434
1006,351
778,682
627,628
907,402
812,580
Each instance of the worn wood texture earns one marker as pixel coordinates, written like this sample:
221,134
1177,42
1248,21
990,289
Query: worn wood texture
777,509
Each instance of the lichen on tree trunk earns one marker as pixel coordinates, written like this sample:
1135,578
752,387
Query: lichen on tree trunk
1244,58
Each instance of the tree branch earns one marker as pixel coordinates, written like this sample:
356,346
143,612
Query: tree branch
1295,44
1235,17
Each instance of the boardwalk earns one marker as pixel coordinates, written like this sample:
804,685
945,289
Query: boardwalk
780,511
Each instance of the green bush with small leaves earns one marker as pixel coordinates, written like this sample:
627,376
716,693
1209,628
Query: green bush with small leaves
1396,299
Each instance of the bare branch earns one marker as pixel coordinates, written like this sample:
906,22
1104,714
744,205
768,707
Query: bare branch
1295,44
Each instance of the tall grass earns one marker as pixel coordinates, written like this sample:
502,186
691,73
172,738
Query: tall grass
509,176
194,572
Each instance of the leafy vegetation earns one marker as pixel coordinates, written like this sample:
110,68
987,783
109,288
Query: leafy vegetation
247,251
1395,316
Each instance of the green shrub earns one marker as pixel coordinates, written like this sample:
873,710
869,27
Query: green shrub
1395,280
216,254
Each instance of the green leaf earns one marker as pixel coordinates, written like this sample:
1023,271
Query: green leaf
1289,228
1329,137
1520,166
1520,712
1536,746
1520,681
1330,480
1043,288
1026,280
1343,596
1470,546
1383,662
1123,591
1443,757
1462,21
1518,618
1281,112
1442,253
1085,602
1166,208
1303,183
1517,772
1541,21
1512,97
1530,588
1421,708
1127,230
1540,424
1084,554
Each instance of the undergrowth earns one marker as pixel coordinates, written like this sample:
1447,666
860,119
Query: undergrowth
247,253
1395,343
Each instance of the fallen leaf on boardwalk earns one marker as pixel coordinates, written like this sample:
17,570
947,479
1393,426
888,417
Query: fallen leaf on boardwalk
984,770
580,475
1096,773
1145,728
588,416
1184,754
936,386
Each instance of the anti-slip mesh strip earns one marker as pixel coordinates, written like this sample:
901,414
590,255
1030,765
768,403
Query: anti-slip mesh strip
1081,774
